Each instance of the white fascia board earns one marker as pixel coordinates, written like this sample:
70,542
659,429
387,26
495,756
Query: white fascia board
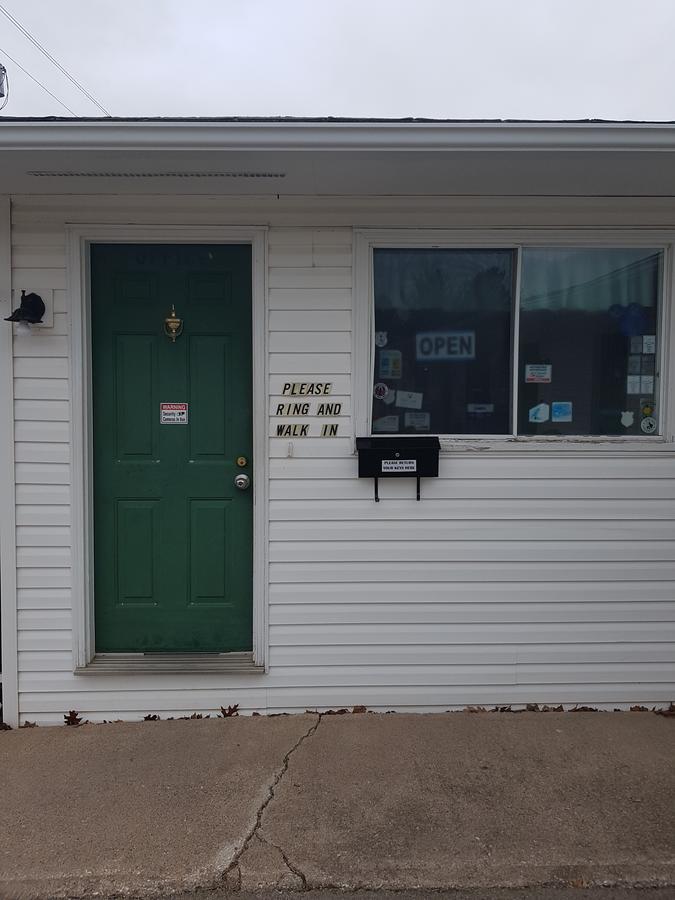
335,136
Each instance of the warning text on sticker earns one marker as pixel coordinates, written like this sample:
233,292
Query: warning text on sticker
173,413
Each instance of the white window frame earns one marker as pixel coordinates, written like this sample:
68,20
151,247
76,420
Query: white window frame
366,240
79,240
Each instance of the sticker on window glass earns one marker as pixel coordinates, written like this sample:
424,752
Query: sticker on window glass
386,423
539,413
648,365
381,338
173,413
631,318
633,384
480,409
409,399
441,346
634,365
649,343
636,344
419,421
648,425
561,412
538,374
391,363
380,391
627,418
646,384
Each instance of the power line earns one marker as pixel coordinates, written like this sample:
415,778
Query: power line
18,65
58,65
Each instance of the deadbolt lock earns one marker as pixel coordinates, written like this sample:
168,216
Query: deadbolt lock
242,461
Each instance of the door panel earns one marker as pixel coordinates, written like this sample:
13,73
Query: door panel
135,377
210,377
136,533
209,566
172,536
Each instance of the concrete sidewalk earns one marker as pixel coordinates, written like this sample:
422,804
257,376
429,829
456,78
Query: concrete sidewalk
392,802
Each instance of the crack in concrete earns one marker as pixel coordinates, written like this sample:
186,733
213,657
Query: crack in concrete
253,831
289,865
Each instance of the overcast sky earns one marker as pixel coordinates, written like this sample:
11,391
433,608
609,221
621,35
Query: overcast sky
539,59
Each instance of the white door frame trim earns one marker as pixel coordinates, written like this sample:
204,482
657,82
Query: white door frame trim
8,589
79,238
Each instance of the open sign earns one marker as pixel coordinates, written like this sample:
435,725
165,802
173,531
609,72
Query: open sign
439,346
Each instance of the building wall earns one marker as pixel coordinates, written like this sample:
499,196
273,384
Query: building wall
520,578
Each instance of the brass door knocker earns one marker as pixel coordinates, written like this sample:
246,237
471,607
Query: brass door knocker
173,326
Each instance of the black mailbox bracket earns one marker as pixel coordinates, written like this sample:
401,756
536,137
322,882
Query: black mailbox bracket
393,456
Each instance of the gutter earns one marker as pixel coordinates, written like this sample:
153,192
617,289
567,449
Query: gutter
251,136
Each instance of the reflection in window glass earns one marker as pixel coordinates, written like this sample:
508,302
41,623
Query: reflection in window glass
588,341
442,351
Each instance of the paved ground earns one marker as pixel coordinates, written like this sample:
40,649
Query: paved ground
471,802
533,893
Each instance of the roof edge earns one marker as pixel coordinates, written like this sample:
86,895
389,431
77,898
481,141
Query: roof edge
284,134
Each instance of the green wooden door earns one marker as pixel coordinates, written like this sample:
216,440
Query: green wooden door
172,534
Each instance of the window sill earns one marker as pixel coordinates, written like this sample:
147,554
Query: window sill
165,663
563,446
593,446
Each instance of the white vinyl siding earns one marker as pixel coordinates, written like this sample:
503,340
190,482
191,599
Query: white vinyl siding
42,457
518,578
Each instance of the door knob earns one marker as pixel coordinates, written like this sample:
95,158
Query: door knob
242,481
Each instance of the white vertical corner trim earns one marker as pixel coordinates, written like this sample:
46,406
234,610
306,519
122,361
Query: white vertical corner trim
79,238
77,293
8,614
260,403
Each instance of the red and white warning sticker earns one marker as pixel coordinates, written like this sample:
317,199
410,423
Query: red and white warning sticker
173,413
